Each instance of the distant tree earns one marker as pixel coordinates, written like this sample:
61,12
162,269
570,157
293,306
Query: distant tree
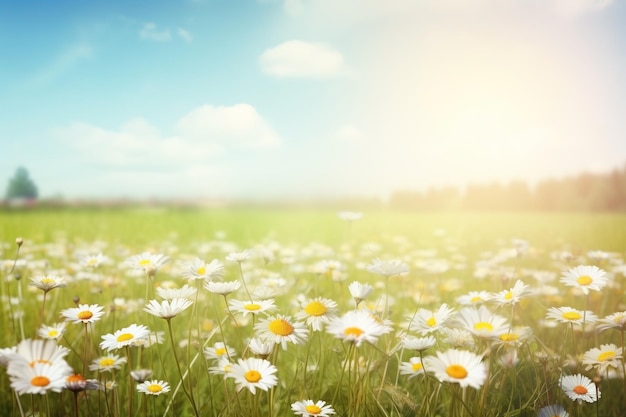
21,186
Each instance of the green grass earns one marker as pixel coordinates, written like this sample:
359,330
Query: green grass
298,239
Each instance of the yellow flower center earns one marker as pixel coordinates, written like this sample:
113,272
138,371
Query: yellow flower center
47,280
84,315
124,337
606,356
456,371
476,299
571,315
315,308
155,388
281,327
580,390
201,270
618,318
252,307
252,376
584,280
416,366
508,295
220,351
53,333
312,409
75,378
483,325
353,331
509,337
44,361
144,262
92,262
106,362
431,322
39,381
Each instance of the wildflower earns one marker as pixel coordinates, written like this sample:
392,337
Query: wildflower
261,348
219,350
474,298
457,366
48,282
252,307
223,288
54,332
357,326
222,367
39,378
418,344
579,388
167,308
601,358
585,278
34,351
153,387
197,269
281,329
509,358
458,338
78,383
481,322
613,321
238,256
553,411
513,336
141,375
253,373
570,315
412,368
170,293
127,336
426,321
359,291
308,408
148,262
92,261
107,363
84,313
388,268
511,296
330,268
318,312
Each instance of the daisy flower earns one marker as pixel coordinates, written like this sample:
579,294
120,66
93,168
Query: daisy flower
221,368
418,344
84,313
613,321
78,383
252,307
359,291
481,322
457,366
167,308
47,282
54,332
148,262
601,358
34,351
141,375
238,256
253,373
571,315
585,278
281,329
388,268
39,378
579,388
169,293
92,261
553,410
426,321
318,312
458,338
218,351
308,408
511,296
198,269
261,348
107,363
513,337
222,288
357,326
474,298
153,387
412,368
127,336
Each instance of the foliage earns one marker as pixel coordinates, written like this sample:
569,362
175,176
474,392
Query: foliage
21,186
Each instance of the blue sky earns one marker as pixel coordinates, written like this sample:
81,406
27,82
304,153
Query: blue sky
307,98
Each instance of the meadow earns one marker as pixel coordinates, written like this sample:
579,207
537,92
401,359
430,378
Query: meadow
276,312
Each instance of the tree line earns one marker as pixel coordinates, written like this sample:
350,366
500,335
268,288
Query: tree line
583,192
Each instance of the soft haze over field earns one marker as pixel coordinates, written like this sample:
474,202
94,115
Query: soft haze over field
307,98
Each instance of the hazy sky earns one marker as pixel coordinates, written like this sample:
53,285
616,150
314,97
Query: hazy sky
302,98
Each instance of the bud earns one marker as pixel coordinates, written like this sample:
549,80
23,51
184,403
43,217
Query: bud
19,241
76,299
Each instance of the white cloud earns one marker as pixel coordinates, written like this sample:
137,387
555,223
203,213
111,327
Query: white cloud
302,59
188,37
64,62
203,135
150,31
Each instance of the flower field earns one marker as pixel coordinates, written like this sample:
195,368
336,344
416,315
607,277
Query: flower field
160,312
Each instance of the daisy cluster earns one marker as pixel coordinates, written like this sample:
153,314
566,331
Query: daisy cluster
312,329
